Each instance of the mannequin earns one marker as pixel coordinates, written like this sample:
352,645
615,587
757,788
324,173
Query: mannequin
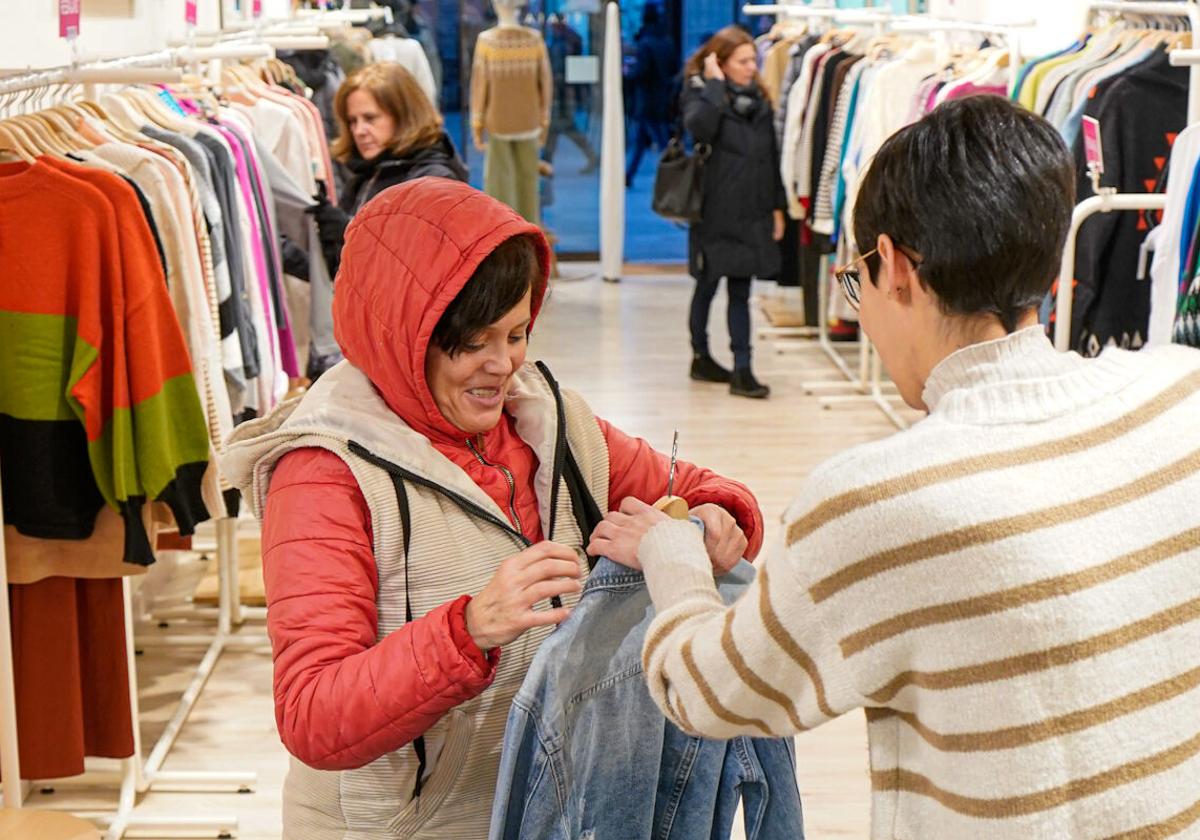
511,92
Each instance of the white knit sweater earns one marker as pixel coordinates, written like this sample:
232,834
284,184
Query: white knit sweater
1011,590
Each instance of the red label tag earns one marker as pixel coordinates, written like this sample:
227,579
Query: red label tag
1092,149
68,18
256,8
189,12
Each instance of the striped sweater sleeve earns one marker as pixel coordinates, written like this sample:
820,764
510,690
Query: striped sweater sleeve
764,666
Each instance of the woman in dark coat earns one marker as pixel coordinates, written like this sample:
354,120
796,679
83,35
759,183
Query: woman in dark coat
389,133
725,107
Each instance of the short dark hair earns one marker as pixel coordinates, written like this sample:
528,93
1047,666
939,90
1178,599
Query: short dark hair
983,191
496,286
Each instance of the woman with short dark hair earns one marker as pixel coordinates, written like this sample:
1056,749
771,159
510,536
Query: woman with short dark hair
419,534
725,108
1011,588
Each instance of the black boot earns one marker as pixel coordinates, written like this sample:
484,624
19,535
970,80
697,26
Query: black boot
743,384
706,369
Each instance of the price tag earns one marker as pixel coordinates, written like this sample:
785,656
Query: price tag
1092,148
189,12
68,19
256,9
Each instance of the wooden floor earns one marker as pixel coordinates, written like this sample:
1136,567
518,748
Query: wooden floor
625,348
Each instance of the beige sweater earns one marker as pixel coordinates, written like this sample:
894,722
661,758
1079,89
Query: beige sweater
511,83
1011,590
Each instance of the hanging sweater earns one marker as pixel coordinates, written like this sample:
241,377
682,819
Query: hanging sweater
1011,589
511,83
97,399
1140,113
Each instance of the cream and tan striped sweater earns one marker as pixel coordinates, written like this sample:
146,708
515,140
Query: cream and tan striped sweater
1011,590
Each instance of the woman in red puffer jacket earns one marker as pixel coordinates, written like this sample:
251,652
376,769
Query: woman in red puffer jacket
419,539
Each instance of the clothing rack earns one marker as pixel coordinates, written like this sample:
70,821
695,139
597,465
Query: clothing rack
793,10
1107,199
867,381
1009,32
877,20
137,775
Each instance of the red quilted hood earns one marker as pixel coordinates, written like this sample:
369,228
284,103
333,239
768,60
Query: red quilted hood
408,254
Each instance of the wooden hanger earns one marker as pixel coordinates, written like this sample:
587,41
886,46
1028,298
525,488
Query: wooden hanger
124,119
11,142
149,103
42,139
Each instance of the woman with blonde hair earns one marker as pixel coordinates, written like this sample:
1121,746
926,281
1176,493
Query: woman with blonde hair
389,133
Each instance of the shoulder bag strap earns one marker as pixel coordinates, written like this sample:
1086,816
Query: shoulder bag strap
406,524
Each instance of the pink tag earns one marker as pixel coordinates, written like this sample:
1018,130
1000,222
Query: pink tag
256,8
1092,149
68,18
189,12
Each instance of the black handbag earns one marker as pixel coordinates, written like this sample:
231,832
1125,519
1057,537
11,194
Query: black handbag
678,188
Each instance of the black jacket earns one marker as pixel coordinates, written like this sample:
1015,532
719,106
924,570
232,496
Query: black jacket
371,177
656,65
742,186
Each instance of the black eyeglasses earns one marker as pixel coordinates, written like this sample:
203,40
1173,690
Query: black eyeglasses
851,279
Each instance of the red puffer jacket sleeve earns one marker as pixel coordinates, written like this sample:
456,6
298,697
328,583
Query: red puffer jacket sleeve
343,699
636,469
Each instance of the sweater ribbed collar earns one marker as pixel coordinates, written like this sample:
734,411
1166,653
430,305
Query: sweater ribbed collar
1021,378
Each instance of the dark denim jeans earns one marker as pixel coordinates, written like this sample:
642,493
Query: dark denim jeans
738,316
588,754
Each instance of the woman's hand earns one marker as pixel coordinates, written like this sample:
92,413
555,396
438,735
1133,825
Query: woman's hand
712,67
723,537
621,532
503,611
780,225
620,535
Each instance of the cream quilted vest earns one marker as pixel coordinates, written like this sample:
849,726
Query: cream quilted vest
454,551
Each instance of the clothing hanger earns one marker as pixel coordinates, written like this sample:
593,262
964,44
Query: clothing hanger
85,124
149,103
242,87
124,119
12,143
26,141
37,136
59,121
62,128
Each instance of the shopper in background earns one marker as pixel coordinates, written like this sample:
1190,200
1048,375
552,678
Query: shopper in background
389,133
652,75
562,42
1011,588
417,521
724,106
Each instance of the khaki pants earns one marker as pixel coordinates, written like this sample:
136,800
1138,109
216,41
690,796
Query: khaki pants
510,174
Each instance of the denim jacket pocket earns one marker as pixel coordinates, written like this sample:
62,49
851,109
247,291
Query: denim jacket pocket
449,765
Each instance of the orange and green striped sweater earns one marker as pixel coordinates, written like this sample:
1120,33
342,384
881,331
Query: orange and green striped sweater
97,400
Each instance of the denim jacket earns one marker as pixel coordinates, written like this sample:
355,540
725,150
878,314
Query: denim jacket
588,756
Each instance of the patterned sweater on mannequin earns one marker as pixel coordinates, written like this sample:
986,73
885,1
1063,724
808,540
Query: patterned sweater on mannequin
1010,589
511,83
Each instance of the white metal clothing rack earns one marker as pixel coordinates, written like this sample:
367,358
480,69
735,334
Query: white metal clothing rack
1107,199
137,775
867,384
863,18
